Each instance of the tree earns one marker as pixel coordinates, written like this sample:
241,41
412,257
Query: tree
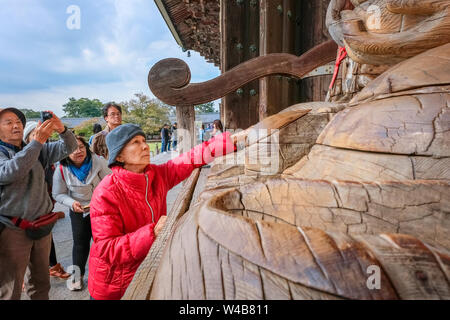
149,114
83,107
30,113
86,128
205,108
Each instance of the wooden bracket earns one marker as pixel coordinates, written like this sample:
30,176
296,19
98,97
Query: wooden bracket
169,78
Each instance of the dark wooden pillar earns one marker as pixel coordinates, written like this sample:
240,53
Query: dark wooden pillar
239,43
277,34
313,31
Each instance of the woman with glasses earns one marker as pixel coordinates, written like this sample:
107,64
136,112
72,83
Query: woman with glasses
74,182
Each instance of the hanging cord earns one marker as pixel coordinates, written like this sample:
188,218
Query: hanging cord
341,56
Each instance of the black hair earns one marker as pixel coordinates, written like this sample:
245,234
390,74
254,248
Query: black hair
66,161
218,124
109,105
97,128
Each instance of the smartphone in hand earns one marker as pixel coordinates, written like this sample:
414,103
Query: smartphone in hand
45,116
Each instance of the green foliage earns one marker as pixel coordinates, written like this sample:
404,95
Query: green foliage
83,107
54,136
205,108
30,113
149,114
86,128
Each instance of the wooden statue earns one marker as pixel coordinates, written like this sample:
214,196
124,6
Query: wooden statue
362,193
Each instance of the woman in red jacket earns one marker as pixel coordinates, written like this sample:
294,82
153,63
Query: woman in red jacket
128,208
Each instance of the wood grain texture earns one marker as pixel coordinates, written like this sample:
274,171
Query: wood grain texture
312,30
417,72
327,163
277,35
381,32
419,272
169,78
230,256
252,144
298,128
420,208
239,25
369,184
410,124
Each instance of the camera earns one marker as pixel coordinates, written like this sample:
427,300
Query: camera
45,116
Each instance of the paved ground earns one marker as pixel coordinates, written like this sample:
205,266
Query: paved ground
62,236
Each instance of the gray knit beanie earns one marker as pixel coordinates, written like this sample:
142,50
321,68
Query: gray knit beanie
119,137
30,126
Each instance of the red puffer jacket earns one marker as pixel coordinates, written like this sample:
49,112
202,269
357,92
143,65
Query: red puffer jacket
125,208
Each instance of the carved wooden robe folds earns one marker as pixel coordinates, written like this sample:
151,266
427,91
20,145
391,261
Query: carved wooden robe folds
369,190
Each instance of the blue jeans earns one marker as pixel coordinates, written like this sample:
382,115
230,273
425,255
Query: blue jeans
163,145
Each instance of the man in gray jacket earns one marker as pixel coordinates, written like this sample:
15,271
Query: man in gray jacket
25,205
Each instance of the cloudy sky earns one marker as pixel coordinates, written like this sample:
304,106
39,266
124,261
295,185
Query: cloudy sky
45,59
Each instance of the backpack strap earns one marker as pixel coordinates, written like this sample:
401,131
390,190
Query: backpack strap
62,173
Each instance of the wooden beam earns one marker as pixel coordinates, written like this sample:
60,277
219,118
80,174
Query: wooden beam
232,25
239,43
277,34
288,85
271,26
169,78
313,32
252,89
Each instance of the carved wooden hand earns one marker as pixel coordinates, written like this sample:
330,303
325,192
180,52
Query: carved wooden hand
381,32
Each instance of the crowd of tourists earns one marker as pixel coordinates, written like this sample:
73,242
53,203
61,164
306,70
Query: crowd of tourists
115,197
